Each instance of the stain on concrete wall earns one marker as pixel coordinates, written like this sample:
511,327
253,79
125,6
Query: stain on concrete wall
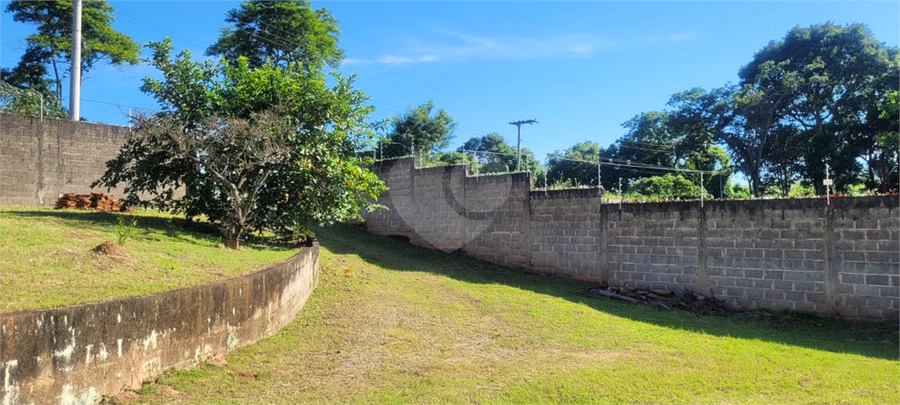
75,355
43,159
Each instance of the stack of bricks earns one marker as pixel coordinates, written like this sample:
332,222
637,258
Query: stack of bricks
95,200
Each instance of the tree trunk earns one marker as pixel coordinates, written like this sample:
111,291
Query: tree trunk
232,244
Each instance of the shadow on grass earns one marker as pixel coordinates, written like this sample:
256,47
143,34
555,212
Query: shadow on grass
809,331
175,228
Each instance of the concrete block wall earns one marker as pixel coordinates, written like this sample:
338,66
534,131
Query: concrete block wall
803,255
767,254
398,175
497,218
866,267
841,259
439,222
566,233
653,245
42,159
442,208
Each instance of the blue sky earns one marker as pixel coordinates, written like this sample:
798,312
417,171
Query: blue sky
580,68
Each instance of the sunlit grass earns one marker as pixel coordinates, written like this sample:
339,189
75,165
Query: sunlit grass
46,257
393,323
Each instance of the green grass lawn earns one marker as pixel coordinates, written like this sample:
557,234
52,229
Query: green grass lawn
393,323
46,257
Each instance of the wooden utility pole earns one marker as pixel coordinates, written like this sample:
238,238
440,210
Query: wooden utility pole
518,125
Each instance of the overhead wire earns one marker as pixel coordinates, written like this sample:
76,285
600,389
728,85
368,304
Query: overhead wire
157,28
283,42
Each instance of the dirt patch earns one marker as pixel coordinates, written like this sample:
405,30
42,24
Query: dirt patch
218,361
109,248
246,374
125,397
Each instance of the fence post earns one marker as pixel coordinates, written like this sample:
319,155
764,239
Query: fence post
599,186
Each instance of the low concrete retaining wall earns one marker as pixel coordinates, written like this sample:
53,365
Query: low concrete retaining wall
77,354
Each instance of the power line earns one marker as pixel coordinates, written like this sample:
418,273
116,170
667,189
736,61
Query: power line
654,146
636,165
666,151
157,28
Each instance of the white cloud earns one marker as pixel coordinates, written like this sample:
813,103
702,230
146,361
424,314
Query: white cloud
457,47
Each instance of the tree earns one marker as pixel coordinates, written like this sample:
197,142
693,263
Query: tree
496,155
649,141
665,187
746,126
266,149
694,117
888,142
882,115
237,155
281,31
418,132
829,73
576,165
783,158
52,44
25,101
694,123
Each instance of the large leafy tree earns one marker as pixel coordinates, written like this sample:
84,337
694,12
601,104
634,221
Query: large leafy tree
693,122
419,131
882,119
831,74
576,165
491,154
49,49
783,154
752,118
281,31
254,149
649,141
887,140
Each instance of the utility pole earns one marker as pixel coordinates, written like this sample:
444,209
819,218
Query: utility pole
518,125
75,86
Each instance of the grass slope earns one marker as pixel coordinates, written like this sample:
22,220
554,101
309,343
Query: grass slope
393,323
47,259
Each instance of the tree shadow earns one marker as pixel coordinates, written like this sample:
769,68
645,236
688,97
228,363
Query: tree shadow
99,221
803,330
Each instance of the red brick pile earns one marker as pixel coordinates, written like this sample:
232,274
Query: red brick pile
95,200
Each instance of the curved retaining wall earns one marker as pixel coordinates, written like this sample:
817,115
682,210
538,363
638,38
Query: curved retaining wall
77,354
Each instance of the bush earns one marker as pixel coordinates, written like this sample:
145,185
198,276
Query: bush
666,187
